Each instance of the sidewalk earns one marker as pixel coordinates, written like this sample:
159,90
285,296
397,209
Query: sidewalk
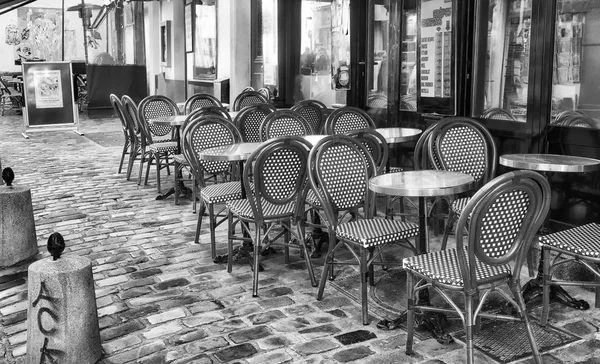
160,297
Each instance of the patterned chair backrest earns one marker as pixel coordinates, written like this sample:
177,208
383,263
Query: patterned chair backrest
463,145
422,157
249,120
408,102
313,111
346,119
265,92
204,111
497,113
207,132
564,115
339,174
154,107
198,101
131,110
277,176
284,123
502,219
248,98
579,120
378,101
119,109
375,144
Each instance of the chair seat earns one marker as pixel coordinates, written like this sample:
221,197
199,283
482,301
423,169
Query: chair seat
396,169
242,208
372,232
459,205
443,266
582,240
180,158
221,192
163,147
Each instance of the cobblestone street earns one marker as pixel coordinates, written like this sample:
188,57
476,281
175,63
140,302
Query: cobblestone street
160,297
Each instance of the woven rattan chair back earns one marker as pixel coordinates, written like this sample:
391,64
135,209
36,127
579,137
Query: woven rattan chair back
339,174
277,176
375,144
377,101
497,113
284,123
248,98
154,107
198,101
422,157
502,219
249,120
408,102
206,111
313,111
131,110
565,114
346,119
265,92
208,132
463,145
579,120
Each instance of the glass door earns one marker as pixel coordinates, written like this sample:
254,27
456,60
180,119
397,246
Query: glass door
377,60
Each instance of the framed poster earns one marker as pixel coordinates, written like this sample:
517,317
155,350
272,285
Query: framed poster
189,28
165,43
49,95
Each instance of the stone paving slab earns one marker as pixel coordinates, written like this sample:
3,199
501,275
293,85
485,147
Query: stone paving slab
160,297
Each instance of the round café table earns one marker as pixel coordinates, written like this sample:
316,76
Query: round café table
550,163
399,135
175,121
421,184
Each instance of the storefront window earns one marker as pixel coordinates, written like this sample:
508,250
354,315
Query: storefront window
408,57
377,77
269,45
576,75
506,75
205,45
325,52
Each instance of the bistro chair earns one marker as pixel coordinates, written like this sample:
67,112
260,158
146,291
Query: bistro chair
315,112
408,102
127,144
497,113
579,244
339,173
247,98
249,120
11,99
135,134
579,121
347,118
157,140
461,144
201,100
180,160
563,115
284,123
82,94
377,101
500,220
202,133
275,180
265,92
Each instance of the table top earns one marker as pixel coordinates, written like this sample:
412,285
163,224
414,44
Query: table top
550,162
399,135
176,120
424,183
232,152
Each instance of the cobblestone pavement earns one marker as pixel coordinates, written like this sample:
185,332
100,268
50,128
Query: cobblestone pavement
160,297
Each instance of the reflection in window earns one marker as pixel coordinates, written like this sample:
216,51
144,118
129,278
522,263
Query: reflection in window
575,76
269,44
506,61
205,49
408,57
317,35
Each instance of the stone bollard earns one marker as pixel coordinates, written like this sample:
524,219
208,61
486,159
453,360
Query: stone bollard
17,227
62,319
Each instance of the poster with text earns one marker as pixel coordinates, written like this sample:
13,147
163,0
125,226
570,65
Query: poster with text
436,48
48,90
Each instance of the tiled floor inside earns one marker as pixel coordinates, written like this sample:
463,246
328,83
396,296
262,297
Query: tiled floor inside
160,297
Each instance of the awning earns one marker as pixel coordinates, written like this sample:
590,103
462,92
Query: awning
9,5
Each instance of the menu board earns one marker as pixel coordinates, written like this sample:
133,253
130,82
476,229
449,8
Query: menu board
436,48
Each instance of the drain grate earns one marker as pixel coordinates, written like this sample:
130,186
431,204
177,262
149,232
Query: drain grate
507,341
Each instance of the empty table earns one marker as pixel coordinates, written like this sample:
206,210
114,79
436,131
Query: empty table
550,163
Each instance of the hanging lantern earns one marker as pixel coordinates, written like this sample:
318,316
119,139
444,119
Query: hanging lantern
12,35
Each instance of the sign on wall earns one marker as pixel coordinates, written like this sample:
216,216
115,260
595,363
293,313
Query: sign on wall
49,96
